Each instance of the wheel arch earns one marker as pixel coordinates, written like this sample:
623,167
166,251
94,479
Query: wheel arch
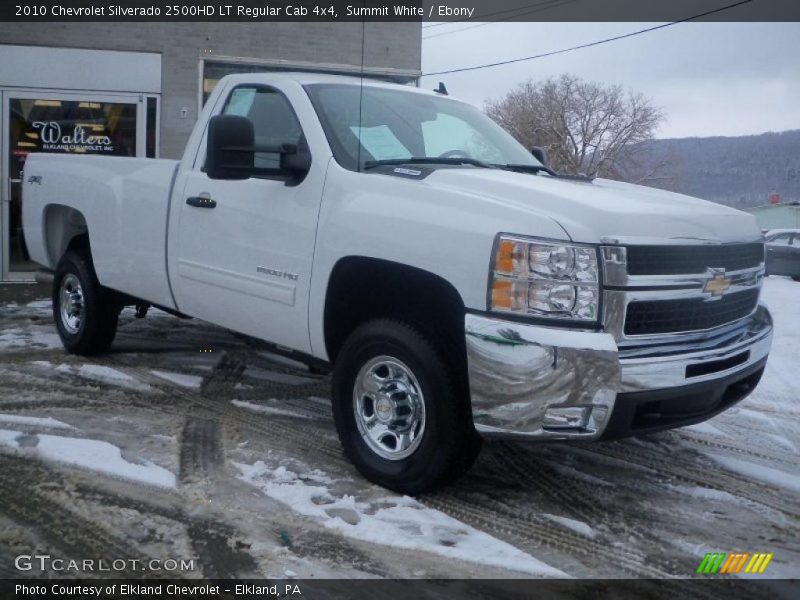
65,229
362,288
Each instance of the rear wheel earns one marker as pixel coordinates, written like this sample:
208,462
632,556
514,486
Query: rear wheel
85,312
796,277
398,414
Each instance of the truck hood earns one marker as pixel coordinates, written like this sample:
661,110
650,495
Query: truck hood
601,211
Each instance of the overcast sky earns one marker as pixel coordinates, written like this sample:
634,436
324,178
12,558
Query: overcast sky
710,78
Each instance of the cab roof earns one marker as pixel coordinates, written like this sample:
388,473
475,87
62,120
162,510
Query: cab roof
309,78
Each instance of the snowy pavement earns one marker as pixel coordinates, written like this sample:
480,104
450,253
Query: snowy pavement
189,442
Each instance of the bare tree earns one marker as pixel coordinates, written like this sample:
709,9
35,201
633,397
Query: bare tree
584,126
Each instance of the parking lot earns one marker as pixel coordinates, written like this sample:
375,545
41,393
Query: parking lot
188,442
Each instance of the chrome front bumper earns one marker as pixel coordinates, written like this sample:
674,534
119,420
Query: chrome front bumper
545,383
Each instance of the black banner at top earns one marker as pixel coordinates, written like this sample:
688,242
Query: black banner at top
399,10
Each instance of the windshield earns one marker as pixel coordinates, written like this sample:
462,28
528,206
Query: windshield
389,124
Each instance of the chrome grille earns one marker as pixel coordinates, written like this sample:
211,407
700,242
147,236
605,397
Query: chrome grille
685,260
691,314
665,292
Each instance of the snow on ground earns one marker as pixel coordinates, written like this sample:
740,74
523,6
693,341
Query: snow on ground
789,481
112,376
181,379
36,336
574,525
100,374
780,386
268,410
707,428
397,521
94,455
45,305
706,493
276,377
9,438
11,338
640,507
284,360
784,442
35,421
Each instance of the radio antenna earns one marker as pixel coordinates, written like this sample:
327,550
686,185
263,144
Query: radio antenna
361,87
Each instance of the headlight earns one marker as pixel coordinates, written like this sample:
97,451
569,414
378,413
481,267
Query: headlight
545,279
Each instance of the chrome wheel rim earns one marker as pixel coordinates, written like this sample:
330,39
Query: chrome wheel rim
389,408
70,303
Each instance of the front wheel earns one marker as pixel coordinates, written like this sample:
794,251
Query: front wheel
398,413
85,312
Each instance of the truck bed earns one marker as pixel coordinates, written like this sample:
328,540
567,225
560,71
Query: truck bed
124,202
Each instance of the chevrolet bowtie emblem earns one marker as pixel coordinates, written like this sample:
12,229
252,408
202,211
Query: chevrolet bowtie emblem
718,284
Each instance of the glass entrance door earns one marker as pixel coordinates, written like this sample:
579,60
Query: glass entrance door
62,123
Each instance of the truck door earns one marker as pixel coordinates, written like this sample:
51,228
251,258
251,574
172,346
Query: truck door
244,257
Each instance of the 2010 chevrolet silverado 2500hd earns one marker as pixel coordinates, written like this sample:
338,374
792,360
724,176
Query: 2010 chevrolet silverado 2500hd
457,287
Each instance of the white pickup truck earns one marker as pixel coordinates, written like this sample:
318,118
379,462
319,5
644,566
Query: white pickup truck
455,286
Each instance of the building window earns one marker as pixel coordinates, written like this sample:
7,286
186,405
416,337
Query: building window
70,127
214,71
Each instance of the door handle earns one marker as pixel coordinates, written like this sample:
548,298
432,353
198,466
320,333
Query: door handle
201,202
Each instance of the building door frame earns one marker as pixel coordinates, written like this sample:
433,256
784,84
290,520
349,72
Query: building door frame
7,94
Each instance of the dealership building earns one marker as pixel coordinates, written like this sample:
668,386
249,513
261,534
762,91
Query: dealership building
140,86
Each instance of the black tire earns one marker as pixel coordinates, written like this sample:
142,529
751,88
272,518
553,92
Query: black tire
98,324
795,277
448,444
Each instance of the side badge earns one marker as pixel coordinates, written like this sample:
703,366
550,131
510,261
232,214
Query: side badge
278,273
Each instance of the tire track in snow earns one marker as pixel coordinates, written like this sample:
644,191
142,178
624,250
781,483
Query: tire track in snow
201,449
502,510
218,546
709,476
22,500
707,441
307,435
582,499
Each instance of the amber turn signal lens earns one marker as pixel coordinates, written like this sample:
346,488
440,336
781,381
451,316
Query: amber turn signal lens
504,260
510,257
508,294
501,294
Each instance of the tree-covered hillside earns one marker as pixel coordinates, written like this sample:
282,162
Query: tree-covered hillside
737,171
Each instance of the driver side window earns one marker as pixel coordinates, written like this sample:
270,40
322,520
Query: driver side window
274,121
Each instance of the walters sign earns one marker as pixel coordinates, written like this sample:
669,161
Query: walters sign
55,139
70,126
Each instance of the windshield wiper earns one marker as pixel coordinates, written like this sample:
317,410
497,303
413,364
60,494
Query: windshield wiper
528,169
427,160
538,168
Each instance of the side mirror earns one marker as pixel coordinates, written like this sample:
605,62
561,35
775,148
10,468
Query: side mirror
539,154
295,160
229,148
